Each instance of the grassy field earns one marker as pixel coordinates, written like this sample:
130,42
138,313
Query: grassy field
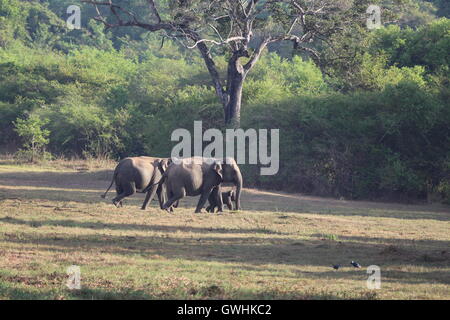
281,246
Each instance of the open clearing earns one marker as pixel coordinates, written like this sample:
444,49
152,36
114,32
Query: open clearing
281,246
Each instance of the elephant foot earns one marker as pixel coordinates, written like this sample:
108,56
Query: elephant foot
168,209
118,204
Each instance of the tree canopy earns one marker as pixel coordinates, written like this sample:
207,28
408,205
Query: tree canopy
371,121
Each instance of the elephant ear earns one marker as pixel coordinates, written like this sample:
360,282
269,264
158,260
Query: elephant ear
217,168
163,165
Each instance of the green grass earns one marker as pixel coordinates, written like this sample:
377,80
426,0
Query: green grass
281,246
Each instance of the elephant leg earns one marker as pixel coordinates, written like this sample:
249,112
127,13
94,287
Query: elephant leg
212,203
127,190
119,191
165,193
203,198
211,208
229,203
174,205
219,201
161,192
216,197
149,197
174,197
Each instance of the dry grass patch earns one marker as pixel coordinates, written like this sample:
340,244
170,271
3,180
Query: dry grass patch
281,246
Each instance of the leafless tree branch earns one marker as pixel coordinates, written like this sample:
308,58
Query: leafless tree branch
193,28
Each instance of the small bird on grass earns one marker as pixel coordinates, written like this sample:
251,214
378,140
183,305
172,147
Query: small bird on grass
336,266
355,264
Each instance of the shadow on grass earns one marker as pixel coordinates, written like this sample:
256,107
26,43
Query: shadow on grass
14,293
104,294
49,179
260,254
192,293
22,294
131,226
252,200
282,202
417,277
251,253
59,195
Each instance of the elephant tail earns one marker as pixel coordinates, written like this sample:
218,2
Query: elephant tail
104,195
161,181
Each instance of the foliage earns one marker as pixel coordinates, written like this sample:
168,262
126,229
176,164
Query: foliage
374,126
363,145
34,136
428,46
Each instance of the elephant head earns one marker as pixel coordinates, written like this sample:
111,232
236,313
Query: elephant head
199,176
164,164
232,173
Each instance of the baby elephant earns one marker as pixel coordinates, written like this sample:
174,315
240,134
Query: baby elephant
227,198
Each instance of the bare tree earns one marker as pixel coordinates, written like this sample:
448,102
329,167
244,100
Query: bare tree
241,28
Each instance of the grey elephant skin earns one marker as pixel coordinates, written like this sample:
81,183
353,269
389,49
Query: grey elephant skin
200,176
139,174
227,198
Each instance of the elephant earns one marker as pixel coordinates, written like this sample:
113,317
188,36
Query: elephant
138,174
199,176
227,198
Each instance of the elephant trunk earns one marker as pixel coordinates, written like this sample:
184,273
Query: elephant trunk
238,183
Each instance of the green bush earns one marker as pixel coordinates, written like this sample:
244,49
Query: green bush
375,127
34,137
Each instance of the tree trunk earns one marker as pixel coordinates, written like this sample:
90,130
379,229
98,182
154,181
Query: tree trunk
230,97
233,107
235,82
32,151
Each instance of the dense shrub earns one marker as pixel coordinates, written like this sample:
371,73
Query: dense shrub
360,145
385,134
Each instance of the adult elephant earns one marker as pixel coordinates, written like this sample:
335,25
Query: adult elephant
199,176
139,174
